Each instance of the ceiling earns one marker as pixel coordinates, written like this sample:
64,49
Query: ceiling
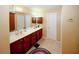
44,7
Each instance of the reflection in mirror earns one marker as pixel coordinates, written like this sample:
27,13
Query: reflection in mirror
27,20
20,21
40,20
11,21
33,20
23,20
37,21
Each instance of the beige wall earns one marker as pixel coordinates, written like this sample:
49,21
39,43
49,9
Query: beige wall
70,32
4,29
59,26
44,26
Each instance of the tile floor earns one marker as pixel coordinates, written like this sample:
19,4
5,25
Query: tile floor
51,45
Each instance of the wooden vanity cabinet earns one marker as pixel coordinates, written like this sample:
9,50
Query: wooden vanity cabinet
27,43
31,39
22,45
17,47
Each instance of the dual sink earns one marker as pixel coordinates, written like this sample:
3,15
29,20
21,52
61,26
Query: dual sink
14,36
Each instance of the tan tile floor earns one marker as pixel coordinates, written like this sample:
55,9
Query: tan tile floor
51,45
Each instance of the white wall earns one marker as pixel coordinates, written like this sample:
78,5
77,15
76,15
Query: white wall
4,29
69,29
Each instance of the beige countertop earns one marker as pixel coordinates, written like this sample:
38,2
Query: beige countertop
14,36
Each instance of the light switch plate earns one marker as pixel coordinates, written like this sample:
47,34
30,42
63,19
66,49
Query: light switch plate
70,20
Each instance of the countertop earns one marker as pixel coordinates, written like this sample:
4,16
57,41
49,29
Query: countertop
14,36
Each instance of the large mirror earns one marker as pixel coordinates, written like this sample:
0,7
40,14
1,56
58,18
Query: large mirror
20,19
28,20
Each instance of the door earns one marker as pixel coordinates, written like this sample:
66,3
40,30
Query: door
51,25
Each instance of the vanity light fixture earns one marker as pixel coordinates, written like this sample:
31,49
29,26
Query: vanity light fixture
18,9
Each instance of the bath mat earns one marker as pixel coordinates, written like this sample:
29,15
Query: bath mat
40,51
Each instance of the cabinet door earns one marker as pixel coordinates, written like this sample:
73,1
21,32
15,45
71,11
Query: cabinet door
33,38
17,47
37,35
40,33
27,43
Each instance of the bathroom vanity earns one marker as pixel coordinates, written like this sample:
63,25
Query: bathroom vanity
21,42
23,32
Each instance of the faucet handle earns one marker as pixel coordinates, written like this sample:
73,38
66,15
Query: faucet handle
24,27
16,32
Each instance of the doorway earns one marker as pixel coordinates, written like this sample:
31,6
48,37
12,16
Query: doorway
52,26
